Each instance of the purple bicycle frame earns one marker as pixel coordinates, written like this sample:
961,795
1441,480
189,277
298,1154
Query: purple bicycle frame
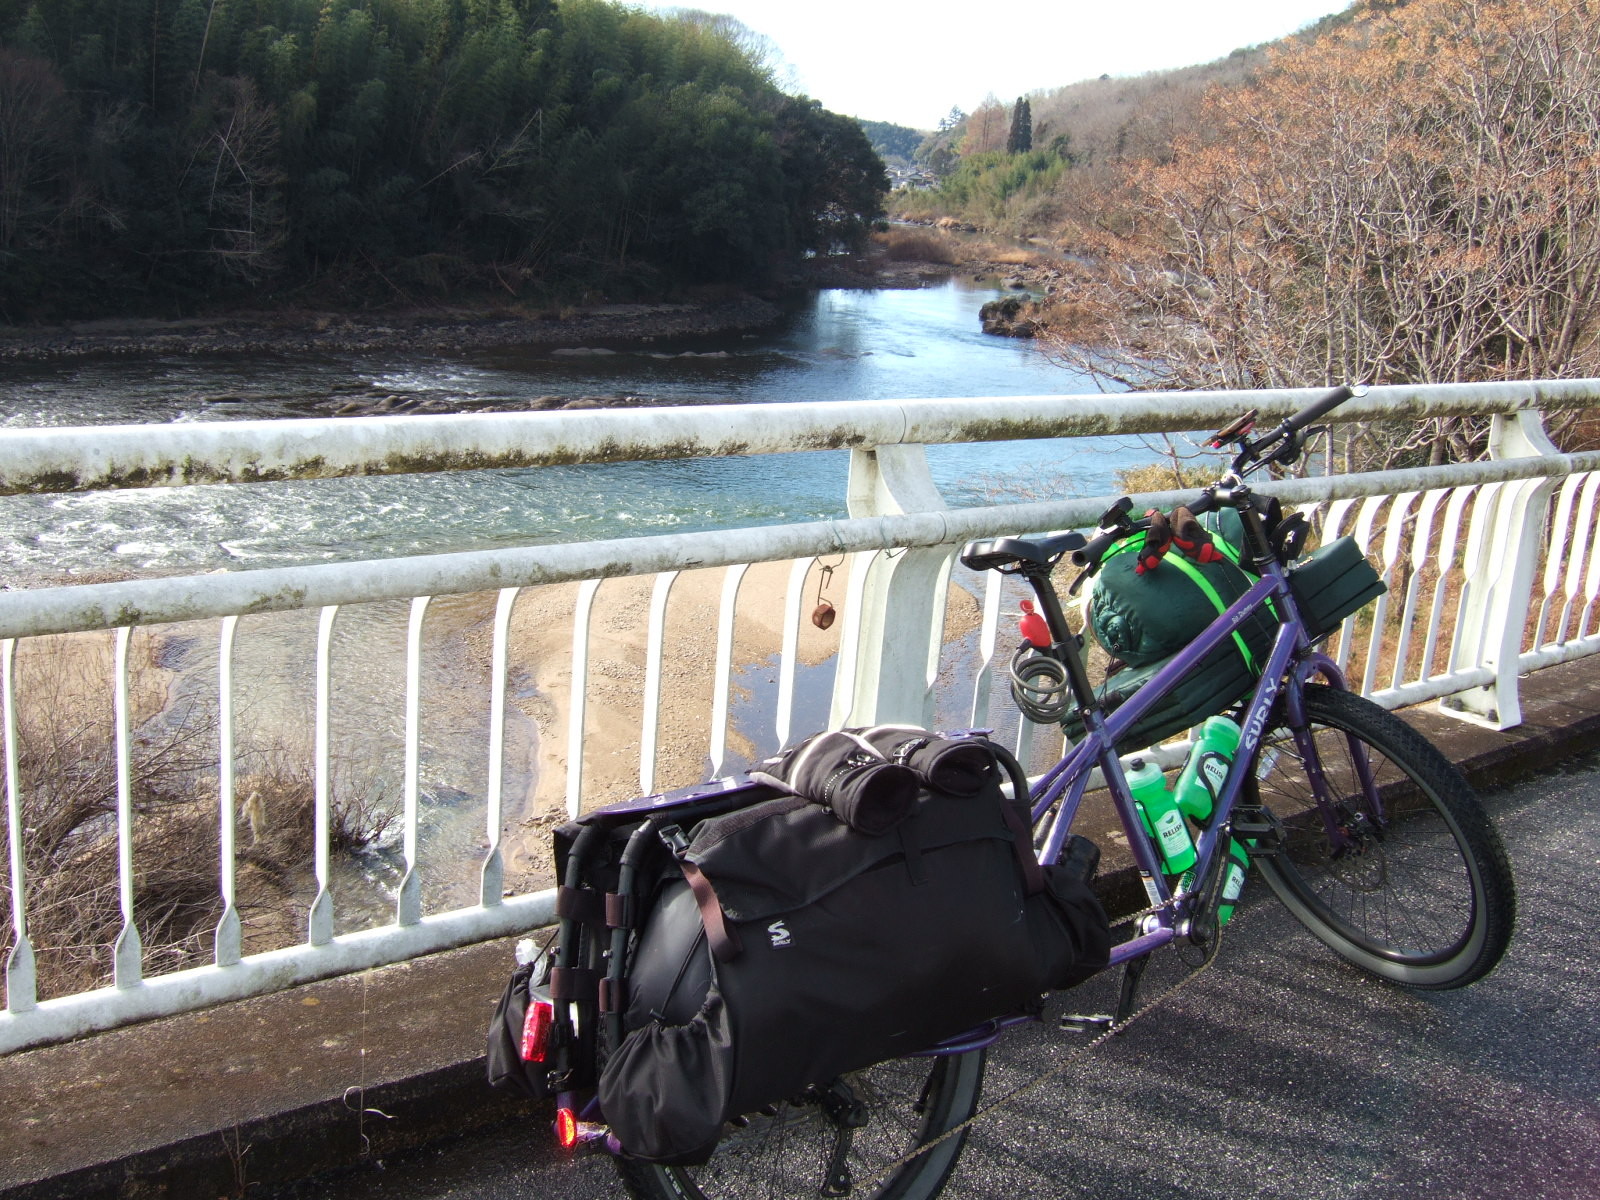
1066,782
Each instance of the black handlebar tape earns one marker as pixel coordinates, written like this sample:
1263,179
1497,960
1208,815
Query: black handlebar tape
1094,548
1318,408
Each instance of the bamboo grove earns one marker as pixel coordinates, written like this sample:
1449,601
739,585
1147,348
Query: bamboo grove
158,154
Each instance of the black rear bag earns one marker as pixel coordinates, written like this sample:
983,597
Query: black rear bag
783,948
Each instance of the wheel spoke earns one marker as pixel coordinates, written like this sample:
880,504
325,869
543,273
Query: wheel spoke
1418,889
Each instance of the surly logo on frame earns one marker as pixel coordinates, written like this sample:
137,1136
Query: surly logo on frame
781,937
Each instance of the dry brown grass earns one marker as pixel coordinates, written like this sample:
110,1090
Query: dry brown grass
916,245
68,800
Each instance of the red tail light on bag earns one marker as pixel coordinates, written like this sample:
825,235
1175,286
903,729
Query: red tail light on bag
536,1030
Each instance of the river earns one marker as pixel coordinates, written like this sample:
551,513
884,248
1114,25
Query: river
838,346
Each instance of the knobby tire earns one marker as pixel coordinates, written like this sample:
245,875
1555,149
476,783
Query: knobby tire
1426,897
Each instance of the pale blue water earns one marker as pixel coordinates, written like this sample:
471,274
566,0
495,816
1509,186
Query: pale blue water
841,346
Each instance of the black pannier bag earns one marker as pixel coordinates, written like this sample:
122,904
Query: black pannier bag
503,1058
782,948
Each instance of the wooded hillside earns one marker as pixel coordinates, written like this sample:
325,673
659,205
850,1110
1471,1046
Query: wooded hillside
159,154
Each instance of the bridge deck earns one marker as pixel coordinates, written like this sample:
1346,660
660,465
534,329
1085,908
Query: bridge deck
271,1088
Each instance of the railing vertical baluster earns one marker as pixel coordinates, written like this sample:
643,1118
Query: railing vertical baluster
319,922
128,953
492,878
1586,531
1363,535
1466,643
1591,588
1333,520
1556,555
1449,544
723,677
579,692
655,649
22,987
789,655
988,639
228,935
1417,559
408,906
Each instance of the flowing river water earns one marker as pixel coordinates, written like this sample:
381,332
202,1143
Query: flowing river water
840,346
837,347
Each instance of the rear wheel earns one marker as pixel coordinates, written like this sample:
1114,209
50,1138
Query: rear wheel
1413,884
835,1141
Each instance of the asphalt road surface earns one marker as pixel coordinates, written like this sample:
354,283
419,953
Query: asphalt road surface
1278,1072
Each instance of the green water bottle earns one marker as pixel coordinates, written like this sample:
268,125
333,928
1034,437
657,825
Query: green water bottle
1160,814
1200,782
1232,882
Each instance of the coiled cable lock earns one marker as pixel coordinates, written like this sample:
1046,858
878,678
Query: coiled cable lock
1039,685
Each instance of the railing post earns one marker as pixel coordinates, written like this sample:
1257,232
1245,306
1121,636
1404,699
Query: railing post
889,648
1492,622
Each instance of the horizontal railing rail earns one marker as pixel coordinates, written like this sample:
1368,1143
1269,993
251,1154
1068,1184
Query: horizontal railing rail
639,663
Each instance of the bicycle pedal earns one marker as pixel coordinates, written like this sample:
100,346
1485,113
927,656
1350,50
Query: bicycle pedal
1260,830
1086,1022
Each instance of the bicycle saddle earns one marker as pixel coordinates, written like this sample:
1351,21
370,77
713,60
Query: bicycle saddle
1014,554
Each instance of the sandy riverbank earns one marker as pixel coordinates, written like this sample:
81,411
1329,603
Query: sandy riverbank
541,646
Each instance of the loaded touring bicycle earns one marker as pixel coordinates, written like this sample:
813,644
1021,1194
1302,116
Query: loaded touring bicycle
785,984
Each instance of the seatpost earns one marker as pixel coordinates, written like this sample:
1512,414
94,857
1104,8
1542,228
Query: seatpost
1064,643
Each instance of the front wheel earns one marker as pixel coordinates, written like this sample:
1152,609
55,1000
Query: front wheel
1397,868
837,1140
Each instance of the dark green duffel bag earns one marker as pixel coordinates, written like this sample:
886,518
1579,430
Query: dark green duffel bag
1329,585
1332,583
1221,681
1145,618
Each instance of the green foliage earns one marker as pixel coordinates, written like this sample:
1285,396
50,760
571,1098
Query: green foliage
893,141
990,188
187,149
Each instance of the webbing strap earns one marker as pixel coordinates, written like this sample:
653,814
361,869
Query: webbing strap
723,939
1204,584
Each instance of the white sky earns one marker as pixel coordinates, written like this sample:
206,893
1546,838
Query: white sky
908,62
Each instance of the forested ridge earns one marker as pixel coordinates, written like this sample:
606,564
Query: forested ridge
1407,191
159,156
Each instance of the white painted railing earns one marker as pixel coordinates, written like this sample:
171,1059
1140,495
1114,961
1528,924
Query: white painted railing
1487,580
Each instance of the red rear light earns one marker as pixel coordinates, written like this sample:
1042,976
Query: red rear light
536,1027
566,1128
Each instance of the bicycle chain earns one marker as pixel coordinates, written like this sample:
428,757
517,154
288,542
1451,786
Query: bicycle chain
1057,1068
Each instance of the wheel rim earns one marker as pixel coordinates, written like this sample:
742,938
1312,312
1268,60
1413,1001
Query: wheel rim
1403,891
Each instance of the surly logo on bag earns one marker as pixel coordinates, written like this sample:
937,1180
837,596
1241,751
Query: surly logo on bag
781,937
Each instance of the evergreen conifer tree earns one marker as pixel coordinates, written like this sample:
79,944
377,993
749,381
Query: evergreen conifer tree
1020,139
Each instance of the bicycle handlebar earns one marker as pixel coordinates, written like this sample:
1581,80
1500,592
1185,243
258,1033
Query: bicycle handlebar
1282,445
1318,408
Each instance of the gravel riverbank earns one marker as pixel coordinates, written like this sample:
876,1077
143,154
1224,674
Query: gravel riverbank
425,331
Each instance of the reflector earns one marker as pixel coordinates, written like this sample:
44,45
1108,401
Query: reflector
536,1030
566,1128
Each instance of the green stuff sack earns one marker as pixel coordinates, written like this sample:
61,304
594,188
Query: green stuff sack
1145,618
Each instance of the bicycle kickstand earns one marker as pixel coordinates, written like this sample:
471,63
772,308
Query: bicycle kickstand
1132,973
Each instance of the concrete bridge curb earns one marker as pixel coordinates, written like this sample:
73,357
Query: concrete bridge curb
349,1071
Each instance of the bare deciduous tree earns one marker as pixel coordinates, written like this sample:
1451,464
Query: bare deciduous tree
1415,197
